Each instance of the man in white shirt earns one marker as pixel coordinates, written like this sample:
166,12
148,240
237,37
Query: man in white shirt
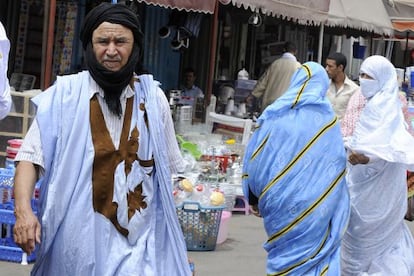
341,88
5,98
189,88
190,92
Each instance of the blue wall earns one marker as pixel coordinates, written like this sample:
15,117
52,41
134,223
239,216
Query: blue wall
159,59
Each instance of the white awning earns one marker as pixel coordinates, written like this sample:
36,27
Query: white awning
367,15
306,12
204,6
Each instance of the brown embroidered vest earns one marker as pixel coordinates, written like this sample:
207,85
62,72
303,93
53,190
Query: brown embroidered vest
107,158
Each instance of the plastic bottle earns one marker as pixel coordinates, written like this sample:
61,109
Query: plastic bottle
6,185
243,75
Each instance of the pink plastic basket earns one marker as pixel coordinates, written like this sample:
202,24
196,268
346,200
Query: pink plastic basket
224,227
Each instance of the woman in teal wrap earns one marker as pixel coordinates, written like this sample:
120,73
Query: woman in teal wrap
293,176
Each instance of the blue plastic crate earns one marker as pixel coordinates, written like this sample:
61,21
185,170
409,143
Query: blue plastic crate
7,215
10,252
200,225
6,184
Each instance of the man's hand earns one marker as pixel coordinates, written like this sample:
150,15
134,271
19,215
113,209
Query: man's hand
358,158
26,230
249,99
255,210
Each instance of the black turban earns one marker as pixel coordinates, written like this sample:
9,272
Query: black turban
112,82
112,13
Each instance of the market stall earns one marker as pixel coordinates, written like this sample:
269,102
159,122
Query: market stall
212,175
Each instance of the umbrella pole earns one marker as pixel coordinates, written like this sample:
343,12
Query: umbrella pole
406,62
406,54
321,30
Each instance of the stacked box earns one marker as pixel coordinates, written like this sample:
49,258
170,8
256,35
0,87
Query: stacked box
9,251
16,124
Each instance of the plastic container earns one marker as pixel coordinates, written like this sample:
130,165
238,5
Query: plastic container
229,195
185,113
11,152
412,79
200,225
243,75
9,251
15,143
6,185
9,164
224,227
358,50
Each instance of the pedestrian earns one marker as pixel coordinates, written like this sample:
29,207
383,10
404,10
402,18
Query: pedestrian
103,148
341,87
276,79
381,149
294,177
5,97
356,105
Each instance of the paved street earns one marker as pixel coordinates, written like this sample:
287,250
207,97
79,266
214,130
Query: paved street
241,254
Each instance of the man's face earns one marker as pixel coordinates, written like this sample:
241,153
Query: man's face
112,45
332,69
189,79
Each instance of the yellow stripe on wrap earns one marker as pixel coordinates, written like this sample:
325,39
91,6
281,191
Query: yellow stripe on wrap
308,72
297,157
302,216
289,269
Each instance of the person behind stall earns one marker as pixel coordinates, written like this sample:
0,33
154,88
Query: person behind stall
189,89
341,87
274,82
5,97
294,178
103,148
377,240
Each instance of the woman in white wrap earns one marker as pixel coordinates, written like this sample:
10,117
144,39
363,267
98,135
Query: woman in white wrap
377,241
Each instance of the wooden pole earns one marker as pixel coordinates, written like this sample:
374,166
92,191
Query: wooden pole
213,53
47,77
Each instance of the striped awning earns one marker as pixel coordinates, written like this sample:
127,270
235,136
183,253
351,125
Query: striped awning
203,6
306,12
401,14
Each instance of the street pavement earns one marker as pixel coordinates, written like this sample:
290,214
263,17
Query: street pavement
241,254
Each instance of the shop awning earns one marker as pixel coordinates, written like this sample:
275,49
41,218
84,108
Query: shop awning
306,12
401,14
403,26
204,6
366,15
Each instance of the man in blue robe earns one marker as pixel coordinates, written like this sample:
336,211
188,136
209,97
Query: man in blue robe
103,147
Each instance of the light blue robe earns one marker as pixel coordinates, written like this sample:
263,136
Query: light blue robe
295,165
76,240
